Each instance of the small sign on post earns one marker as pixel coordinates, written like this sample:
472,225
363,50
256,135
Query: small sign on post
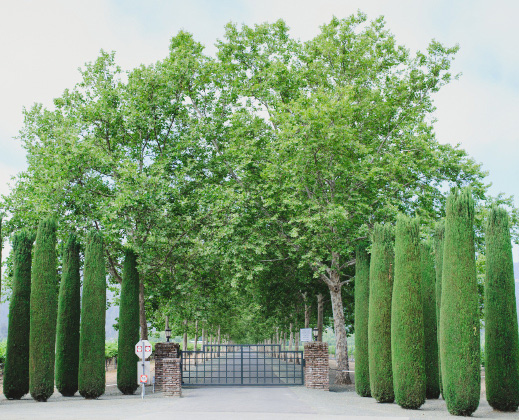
143,350
305,335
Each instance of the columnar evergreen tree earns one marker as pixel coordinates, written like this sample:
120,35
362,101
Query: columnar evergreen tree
381,275
128,326
439,233
501,338
67,339
429,320
93,314
16,370
407,326
459,317
44,296
361,321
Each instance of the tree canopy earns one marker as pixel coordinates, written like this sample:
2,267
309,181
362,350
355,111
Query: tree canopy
244,181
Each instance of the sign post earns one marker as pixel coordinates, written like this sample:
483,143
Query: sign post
143,350
305,335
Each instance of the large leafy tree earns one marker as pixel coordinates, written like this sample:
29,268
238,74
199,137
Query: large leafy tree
329,136
273,151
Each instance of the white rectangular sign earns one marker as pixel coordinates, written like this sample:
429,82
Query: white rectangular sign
305,335
146,371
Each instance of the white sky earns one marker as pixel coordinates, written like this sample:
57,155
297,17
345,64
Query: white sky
44,42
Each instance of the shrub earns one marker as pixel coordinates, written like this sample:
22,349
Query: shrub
439,233
407,327
361,321
128,326
379,328
459,318
93,313
432,390
44,294
501,338
16,370
67,339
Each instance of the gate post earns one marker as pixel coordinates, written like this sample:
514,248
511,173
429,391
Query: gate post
317,369
172,383
164,351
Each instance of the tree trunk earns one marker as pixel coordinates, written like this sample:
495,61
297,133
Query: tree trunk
219,342
184,341
196,335
308,309
290,343
203,344
297,348
341,346
142,312
320,310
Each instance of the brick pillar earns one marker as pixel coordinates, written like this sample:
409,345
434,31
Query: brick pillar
317,366
164,351
172,382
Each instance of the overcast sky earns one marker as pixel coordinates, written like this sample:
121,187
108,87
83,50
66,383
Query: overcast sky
44,42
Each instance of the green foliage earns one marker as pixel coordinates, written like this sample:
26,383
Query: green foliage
128,326
459,321
16,370
111,349
501,335
429,321
381,276
44,296
3,350
67,339
407,321
252,171
361,321
93,313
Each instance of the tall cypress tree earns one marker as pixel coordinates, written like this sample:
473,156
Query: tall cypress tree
16,371
67,339
379,323
459,317
93,314
501,338
407,326
361,321
128,326
439,233
429,320
44,296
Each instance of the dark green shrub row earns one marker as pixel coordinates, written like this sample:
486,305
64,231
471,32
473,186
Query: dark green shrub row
361,321
407,326
379,325
16,370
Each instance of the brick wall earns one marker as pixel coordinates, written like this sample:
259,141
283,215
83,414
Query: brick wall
172,379
164,351
317,373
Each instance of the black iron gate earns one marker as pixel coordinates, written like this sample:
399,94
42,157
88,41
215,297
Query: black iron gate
242,365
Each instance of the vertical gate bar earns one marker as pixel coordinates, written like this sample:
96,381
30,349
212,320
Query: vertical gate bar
241,350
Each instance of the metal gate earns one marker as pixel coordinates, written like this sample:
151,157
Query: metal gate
242,365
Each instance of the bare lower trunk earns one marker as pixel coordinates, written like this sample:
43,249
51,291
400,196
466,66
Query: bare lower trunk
297,347
341,346
184,341
290,343
142,312
320,311
308,309
203,344
196,335
219,341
